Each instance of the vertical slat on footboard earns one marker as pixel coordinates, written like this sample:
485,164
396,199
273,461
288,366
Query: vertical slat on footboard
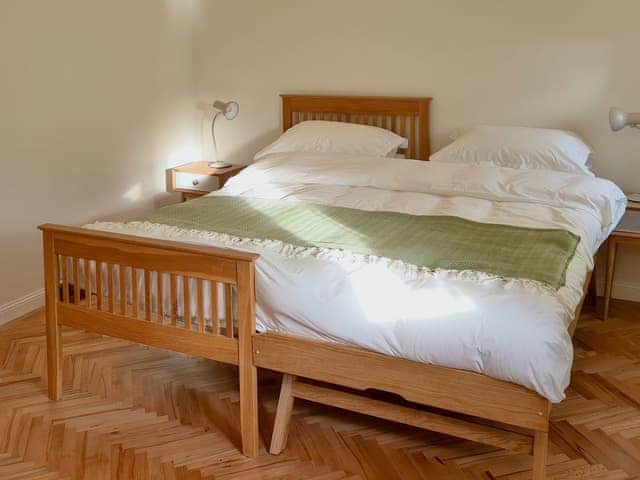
173,299
201,305
228,310
160,290
111,291
76,281
122,275
215,326
65,277
98,285
186,303
147,295
87,282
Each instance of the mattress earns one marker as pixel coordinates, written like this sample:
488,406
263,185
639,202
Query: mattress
508,328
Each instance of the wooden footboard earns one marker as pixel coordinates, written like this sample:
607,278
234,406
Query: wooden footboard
155,292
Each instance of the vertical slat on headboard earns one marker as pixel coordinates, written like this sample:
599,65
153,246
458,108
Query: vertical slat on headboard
287,114
407,116
425,142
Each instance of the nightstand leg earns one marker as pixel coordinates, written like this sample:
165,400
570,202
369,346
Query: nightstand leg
611,266
592,293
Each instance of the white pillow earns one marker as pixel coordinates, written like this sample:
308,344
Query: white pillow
335,137
518,147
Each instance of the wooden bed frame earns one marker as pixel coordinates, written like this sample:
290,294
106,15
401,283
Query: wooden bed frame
463,404
80,261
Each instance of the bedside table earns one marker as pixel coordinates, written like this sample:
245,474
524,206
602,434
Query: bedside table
627,232
198,178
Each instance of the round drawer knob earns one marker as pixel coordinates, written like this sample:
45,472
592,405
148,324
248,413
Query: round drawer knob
195,182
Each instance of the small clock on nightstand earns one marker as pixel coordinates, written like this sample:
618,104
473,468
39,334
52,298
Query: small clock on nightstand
198,178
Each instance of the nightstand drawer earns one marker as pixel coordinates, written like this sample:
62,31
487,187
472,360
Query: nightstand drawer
196,182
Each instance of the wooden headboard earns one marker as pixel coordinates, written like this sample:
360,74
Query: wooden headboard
408,117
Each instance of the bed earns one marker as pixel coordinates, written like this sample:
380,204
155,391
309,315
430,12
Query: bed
270,305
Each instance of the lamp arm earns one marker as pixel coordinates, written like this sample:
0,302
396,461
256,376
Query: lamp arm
633,119
213,135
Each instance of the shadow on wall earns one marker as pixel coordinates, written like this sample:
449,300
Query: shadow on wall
243,152
129,213
234,145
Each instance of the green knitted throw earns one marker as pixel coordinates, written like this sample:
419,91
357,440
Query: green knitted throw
433,241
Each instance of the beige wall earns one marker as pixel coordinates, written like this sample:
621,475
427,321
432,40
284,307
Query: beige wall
99,97
542,63
96,100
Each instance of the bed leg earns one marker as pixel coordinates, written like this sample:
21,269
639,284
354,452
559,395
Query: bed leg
54,338
249,426
249,411
611,268
540,446
54,360
283,416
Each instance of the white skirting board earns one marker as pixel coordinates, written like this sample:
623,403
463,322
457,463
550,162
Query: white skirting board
626,291
34,300
21,306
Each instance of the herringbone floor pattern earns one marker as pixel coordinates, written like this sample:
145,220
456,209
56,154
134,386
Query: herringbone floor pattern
131,411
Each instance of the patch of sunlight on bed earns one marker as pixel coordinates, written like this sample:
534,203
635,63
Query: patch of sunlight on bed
384,295
328,222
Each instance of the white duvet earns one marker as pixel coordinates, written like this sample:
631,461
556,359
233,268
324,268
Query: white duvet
510,329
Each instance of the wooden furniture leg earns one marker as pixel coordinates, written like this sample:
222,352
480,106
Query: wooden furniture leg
592,292
248,372
612,248
249,409
54,339
540,446
283,415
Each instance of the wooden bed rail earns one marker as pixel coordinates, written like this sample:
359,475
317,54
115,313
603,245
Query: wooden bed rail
192,299
460,403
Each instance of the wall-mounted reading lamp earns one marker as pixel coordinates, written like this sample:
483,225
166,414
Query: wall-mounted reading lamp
619,119
230,111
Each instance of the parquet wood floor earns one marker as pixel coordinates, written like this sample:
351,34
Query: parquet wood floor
134,412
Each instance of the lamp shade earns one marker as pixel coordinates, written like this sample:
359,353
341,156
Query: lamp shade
228,109
619,119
